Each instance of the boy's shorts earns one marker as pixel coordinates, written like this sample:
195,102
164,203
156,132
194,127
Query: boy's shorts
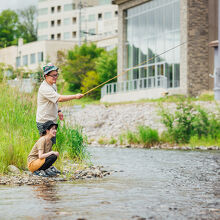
36,164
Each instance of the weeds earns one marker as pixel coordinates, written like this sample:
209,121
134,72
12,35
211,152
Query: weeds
19,131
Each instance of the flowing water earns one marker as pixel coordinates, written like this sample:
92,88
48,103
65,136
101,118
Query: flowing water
149,184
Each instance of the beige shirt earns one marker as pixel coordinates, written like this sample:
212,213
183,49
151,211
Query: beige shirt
41,144
47,107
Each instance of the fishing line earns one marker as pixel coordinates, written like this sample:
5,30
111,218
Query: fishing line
146,61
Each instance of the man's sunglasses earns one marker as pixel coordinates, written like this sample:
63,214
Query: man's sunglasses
54,76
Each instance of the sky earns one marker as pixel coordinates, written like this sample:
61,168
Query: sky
16,4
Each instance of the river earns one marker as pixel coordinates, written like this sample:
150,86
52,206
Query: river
148,184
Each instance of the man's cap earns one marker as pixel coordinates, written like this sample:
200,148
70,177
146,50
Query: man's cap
49,124
49,67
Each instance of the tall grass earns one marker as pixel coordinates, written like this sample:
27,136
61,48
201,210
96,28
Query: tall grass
143,135
72,142
17,127
18,131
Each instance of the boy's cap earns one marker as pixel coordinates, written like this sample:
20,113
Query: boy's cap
49,67
49,124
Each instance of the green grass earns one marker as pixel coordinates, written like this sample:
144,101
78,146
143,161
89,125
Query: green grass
19,132
204,141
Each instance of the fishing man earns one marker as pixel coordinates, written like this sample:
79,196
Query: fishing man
48,98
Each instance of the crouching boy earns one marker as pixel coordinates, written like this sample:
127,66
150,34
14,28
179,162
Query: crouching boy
42,157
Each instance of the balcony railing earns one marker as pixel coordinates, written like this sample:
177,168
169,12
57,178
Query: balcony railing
134,85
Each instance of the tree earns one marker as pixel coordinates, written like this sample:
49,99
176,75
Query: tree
106,65
106,68
27,25
91,80
8,28
79,61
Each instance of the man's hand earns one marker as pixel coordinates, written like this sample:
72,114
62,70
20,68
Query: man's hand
79,96
60,114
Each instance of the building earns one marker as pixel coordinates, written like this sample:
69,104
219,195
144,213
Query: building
148,28
78,21
32,55
215,45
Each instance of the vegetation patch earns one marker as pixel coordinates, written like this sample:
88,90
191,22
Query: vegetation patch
19,131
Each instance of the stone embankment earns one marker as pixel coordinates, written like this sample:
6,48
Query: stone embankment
103,121
71,172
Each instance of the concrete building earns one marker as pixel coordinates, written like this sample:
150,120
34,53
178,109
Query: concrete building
32,55
78,21
148,28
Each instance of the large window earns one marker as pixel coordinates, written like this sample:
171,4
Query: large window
40,57
25,60
153,28
67,21
91,17
18,61
108,15
42,11
66,35
42,37
33,58
43,25
69,7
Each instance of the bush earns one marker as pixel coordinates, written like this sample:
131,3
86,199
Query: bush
190,120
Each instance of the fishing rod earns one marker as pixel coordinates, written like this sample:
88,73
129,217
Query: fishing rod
146,61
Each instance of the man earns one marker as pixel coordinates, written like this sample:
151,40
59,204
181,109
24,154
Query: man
48,98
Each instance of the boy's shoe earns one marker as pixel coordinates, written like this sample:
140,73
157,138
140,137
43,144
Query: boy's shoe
40,173
55,170
50,173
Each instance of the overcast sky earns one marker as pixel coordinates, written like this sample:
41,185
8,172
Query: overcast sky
16,4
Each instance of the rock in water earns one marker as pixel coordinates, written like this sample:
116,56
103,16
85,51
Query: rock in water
13,169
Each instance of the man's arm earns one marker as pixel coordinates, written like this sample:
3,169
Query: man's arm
65,98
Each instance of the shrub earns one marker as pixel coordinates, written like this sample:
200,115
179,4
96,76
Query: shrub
190,120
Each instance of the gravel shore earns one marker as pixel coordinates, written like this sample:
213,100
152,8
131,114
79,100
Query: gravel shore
71,172
103,121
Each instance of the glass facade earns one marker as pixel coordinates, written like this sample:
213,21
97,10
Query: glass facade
152,29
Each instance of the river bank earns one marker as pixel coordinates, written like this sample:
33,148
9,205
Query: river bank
71,172
103,123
